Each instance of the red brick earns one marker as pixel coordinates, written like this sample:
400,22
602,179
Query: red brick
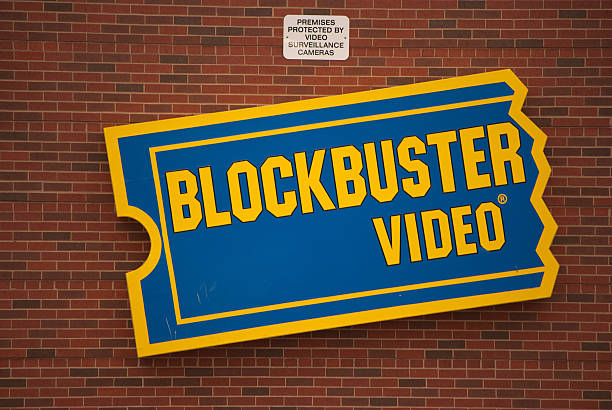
71,68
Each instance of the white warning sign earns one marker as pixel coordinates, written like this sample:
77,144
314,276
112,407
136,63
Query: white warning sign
316,37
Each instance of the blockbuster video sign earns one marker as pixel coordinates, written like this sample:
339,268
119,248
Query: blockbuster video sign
334,211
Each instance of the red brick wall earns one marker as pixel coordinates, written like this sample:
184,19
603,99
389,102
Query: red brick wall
69,69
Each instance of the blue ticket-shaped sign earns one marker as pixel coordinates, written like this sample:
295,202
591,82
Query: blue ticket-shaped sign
334,211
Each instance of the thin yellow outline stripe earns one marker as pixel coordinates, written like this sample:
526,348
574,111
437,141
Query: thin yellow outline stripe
377,292
327,124
164,232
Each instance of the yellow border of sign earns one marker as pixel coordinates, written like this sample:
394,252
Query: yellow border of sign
550,268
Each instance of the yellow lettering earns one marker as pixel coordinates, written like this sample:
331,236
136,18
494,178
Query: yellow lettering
390,245
442,142
388,159
414,243
462,229
413,189
269,186
179,199
343,176
483,229
310,181
499,155
433,251
211,215
472,157
252,212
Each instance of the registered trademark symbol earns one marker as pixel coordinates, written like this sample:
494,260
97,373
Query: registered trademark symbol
502,198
